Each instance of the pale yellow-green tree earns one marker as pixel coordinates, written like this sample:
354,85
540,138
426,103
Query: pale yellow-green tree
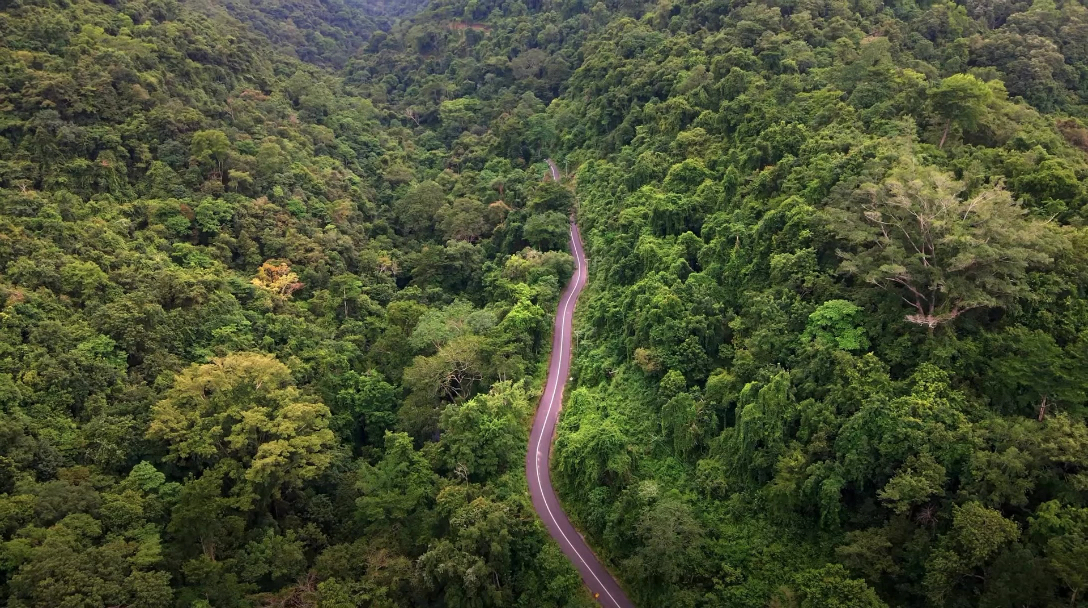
916,235
242,414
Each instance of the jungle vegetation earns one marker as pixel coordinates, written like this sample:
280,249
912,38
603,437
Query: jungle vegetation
277,279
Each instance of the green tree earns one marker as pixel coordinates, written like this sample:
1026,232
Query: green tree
417,208
976,536
458,114
1065,529
452,373
485,436
464,219
73,564
397,494
472,566
671,544
211,149
913,235
835,323
960,99
243,413
832,587
273,560
547,231
918,481
363,406
765,416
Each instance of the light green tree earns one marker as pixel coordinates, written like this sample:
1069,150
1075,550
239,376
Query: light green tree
960,99
212,149
835,323
243,413
915,236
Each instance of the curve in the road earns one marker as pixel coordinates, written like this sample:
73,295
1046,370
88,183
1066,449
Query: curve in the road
600,581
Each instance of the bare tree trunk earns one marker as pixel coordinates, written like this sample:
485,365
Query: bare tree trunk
1042,417
944,135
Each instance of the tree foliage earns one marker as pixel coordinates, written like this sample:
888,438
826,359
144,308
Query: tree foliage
913,234
276,281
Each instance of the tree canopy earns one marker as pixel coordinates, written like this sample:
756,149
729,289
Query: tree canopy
277,279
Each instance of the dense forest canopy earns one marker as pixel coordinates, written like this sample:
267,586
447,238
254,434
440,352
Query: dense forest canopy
277,277
259,346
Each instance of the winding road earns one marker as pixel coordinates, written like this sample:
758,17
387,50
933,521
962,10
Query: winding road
605,589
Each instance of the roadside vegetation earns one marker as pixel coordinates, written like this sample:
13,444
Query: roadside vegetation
277,280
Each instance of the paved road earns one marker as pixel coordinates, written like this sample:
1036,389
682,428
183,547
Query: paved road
555,170
537,463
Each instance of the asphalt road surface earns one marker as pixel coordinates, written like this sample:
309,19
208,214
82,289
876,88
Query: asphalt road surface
555,170
601,584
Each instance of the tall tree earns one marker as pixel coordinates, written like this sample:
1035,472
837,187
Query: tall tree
943,254
243,413
960,99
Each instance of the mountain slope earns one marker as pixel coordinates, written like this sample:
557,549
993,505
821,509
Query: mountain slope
276,282
232,296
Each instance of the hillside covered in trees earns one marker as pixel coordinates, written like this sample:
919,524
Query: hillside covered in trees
258,344
276,282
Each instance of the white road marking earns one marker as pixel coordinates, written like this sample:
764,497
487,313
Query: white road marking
554,386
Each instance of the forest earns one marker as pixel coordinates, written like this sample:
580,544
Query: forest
277,280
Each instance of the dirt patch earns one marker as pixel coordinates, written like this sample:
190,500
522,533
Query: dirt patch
463,25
